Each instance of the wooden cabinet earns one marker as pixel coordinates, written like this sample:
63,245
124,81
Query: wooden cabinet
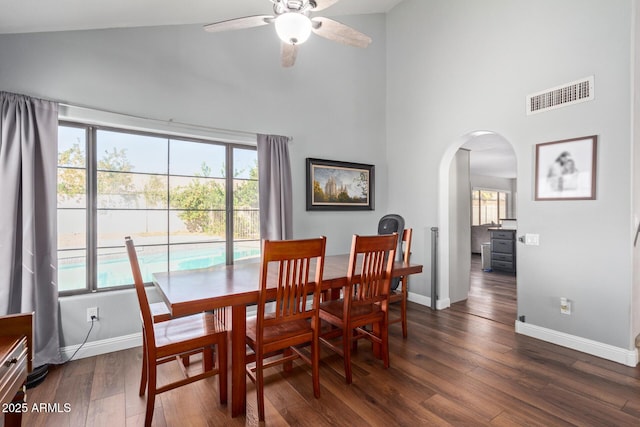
503,249
16,335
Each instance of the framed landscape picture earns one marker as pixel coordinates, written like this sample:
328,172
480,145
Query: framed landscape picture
337,186
566,170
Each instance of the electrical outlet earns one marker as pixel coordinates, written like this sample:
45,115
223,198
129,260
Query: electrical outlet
92,312
565,306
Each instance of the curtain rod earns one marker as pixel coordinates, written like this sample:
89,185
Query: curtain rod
230,132
170,121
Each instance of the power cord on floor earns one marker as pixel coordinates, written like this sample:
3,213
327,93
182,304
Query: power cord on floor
39,373
93,319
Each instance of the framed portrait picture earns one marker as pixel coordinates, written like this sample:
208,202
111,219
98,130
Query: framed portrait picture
339,186
566,170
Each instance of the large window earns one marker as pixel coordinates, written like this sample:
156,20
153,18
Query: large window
488,206
186,203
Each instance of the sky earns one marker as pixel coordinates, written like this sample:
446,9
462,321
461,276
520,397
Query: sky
148,154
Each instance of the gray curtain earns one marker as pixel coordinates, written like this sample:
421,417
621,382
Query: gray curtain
28,258
274,174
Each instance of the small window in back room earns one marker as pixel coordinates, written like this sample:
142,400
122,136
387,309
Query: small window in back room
488,206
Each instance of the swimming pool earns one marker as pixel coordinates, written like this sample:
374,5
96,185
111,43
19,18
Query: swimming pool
114,268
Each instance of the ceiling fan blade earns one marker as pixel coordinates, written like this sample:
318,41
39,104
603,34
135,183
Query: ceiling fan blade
337,32
239,23
289,53
323,4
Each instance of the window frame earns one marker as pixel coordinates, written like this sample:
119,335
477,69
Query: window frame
500,215
91,167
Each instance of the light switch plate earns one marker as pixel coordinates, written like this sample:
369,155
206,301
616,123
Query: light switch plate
532,239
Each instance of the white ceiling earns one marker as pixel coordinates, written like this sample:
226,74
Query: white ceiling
23,16
491,155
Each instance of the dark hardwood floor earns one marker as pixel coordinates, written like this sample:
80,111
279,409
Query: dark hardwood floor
463,366
492,295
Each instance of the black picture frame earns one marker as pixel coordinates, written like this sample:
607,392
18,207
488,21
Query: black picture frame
339,186
566,169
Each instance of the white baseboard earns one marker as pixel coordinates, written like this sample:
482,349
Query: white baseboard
441,304
595,348
95,348
605,351
419,299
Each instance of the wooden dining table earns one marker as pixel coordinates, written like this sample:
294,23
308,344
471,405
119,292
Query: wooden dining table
236,286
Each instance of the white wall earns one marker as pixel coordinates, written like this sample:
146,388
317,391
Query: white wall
492,182
460,226
332,103
455,66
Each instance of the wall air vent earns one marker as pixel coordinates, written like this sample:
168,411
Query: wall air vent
561,96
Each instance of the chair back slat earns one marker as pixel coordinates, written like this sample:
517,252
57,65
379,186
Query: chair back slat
406,239
375,255
285,278
292,287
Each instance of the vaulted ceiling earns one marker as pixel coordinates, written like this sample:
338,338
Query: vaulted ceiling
492,156
23,16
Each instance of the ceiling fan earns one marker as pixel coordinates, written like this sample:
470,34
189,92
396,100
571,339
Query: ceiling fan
294,26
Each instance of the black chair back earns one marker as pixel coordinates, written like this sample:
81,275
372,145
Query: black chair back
389,224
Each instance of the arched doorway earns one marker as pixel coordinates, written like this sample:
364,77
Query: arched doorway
477,160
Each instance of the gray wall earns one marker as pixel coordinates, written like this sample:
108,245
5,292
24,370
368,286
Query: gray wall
456,66
332,103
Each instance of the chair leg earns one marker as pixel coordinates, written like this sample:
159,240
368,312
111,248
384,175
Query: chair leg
403,307
287,366
143,374
260,386
207,359
376,347
346,349
384,336
315,366
186,361
222,371
151,395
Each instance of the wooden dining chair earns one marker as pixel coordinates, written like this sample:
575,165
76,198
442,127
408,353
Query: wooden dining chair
365,300
160,313
400,295
172,339
276,336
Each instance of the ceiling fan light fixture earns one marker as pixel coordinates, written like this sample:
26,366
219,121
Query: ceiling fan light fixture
293,28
